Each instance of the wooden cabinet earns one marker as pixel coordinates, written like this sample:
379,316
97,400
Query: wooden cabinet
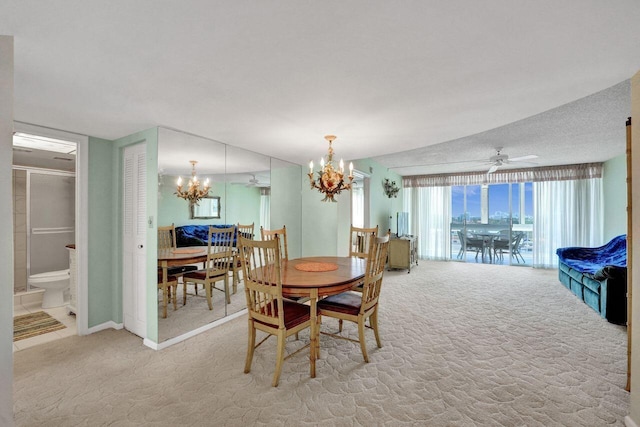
403,252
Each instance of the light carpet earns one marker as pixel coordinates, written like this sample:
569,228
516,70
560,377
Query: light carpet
463,345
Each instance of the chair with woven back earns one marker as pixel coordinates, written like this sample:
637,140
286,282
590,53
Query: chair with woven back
358,307
282,234
268,311
217,266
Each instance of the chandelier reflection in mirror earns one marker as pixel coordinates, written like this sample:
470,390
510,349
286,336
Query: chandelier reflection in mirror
193,193
330,181
390,188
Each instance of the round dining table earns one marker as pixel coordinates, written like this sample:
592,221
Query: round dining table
315,277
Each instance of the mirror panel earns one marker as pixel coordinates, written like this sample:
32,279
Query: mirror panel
286,202
175,151
251,188
248,182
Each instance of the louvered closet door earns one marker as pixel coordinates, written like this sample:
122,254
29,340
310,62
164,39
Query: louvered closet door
134,230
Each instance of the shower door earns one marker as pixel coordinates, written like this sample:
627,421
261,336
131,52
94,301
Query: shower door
51,201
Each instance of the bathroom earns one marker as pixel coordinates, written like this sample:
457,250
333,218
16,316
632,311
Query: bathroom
44,206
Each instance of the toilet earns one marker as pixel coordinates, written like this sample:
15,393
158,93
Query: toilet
54,284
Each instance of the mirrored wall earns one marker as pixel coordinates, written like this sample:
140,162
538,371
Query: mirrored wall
247,188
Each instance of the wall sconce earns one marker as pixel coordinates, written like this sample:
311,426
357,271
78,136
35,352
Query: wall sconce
390,188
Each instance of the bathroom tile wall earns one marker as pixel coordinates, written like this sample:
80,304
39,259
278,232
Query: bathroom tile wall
20,230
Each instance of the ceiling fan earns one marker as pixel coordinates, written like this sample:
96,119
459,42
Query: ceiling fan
254,182
500,159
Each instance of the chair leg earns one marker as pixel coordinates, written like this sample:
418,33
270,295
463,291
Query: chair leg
175,297
339,325
207,287
226,289
373,322
279,359
184,293
165,298
251,345
363,345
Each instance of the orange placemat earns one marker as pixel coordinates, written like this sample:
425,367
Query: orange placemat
316,266
187,251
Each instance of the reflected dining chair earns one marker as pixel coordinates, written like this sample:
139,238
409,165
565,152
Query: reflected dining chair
166,284
217,266
358,307
246,231
167,241
282,234
359,240
268,311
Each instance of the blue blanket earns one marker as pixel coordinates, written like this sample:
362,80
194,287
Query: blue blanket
592,260
197,235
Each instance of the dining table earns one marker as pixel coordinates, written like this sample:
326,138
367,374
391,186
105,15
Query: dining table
181,256
318,277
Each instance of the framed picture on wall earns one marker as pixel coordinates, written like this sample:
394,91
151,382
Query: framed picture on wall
207,208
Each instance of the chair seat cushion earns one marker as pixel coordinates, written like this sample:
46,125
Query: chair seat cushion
202,274
181,269
346,302
169,278
294,313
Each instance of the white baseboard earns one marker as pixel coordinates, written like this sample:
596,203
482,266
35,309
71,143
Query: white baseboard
629,422
106,325
180,338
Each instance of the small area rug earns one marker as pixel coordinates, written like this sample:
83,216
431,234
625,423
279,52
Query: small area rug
30,325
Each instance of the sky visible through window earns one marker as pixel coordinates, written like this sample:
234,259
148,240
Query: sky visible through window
498,201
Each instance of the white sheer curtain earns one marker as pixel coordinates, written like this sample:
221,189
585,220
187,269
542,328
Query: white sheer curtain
566,213
429,218
357,200
265,210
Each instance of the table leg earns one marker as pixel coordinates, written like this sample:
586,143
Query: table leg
313,353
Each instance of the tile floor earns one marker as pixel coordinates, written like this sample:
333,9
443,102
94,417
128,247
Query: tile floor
32,302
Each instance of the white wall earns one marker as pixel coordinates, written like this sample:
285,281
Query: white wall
6,244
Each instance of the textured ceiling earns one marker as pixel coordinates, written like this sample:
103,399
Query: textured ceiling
276,76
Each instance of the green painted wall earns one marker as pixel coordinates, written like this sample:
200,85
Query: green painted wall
614,182
326,225
101,274
242,205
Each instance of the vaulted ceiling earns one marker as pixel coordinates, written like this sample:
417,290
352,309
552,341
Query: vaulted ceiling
421,86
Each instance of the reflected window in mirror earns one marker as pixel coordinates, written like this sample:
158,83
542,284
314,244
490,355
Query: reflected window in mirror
206,208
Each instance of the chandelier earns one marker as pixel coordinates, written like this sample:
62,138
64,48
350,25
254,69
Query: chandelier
193,193
330,181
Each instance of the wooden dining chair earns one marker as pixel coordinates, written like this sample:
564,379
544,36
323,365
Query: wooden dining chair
358,307
217,266
167,241
246,231
282,234
359,240
169,287
268,311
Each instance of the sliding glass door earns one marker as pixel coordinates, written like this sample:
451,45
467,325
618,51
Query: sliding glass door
492,223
